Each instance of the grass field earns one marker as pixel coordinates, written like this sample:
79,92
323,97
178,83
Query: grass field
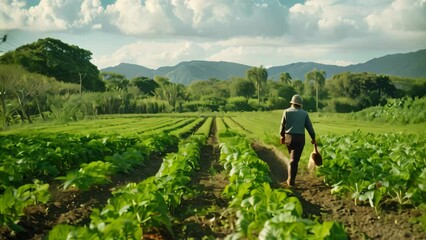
329,123
260,123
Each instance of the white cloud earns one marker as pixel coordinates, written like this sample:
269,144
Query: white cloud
134,17
400,16
153,53
218,19
325,20
89,11
156,33
48,15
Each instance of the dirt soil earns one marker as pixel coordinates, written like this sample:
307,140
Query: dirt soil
205,214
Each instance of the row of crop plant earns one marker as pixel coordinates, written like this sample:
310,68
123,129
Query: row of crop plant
263,212
45,157
396,111
189,128
138,208
123,126
98,172
376,168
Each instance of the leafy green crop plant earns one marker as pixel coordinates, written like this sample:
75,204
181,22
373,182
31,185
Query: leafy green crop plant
262,212
13,201
377,168
93,173
48,155
138,208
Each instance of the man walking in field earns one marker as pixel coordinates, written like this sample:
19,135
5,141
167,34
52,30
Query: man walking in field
292,132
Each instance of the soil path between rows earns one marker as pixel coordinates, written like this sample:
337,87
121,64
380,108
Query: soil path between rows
360,221
205,214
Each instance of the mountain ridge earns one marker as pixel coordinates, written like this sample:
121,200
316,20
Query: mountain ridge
411,64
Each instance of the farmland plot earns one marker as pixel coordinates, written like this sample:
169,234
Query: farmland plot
46,156
378,179
203,210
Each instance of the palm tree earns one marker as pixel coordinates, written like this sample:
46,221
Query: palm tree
285,77
258,75
318,76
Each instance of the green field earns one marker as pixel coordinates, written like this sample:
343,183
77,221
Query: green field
85,154
327,123
260,123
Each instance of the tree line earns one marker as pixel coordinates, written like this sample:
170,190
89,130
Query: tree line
49,79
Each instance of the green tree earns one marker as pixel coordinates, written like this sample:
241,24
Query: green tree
114,81
417,90
146,85
354,85
318,77
9,78
53,58
23,91
285,78
242,87
163,82
258,75
212,88
200,89
39,93
169,91
298,86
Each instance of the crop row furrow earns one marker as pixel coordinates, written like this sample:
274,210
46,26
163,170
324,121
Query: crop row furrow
263,212
120,155
138,208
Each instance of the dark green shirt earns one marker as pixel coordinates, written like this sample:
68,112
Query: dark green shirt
294,121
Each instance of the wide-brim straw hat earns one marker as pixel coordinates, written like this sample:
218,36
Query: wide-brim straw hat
297,99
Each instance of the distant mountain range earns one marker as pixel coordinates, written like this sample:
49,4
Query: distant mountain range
411,64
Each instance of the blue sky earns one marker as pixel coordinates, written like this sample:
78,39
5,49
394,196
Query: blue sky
155,33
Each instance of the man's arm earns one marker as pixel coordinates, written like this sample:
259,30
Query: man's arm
282,126
282,129
310,128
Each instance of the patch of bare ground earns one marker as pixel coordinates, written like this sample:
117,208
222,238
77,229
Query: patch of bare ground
360,221
204,215
74,206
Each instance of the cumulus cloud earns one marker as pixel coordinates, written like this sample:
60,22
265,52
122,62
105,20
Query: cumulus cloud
154,53
401,15
318,20
89,12
218,19
255,32
49,15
